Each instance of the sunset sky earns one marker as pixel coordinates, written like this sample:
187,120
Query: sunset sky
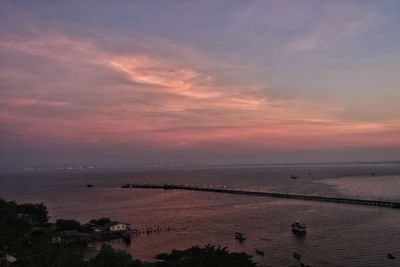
199,82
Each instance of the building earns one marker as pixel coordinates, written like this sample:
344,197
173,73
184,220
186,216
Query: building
116,227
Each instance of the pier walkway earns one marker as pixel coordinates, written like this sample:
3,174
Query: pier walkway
377,203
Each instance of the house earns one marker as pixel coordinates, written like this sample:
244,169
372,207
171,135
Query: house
117,226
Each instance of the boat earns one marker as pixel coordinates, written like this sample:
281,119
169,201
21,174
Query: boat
395,206
127,239
296,255
240,237
390,256
259,252
127,236
168,187
299,228
293,176
89,185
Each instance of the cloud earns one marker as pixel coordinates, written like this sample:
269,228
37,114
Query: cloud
75,91
340,22
31,102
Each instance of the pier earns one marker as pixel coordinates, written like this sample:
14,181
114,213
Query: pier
354,201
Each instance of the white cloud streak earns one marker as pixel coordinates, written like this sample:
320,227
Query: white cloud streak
341,22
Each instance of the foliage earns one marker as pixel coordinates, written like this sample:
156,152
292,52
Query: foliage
13,228
101,222
109,257
209,256
37,212
68,225
26,235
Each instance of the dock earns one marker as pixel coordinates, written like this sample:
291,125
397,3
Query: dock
353,201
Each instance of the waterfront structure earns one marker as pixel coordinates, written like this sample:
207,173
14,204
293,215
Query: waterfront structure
70,238
116,227
354,201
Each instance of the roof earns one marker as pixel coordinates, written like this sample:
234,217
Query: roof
10,258
116,223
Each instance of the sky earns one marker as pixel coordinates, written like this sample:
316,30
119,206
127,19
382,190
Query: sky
199,82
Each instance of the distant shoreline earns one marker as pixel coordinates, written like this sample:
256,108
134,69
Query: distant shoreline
177,167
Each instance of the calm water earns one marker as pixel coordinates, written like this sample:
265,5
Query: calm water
338,235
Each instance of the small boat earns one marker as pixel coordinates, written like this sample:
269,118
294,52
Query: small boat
127,239
390,256
168,187
259,252
127,236
296,255
240,237
293,176
299,228
395,206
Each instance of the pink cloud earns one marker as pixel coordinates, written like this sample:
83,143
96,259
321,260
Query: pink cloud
32,102
139,98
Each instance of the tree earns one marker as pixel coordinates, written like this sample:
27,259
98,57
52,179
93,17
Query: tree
109,257
209,256
64,225
37,212
101,222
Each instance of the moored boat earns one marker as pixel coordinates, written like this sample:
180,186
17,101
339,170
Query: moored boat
239,236
299,228
390,256
259,252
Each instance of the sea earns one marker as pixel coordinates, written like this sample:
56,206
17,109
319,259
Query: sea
337,234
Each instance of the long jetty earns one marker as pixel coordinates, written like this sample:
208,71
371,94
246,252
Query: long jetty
354,201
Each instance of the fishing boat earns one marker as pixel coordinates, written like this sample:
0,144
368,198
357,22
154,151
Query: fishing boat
240,237
259,252
299,228
390,256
